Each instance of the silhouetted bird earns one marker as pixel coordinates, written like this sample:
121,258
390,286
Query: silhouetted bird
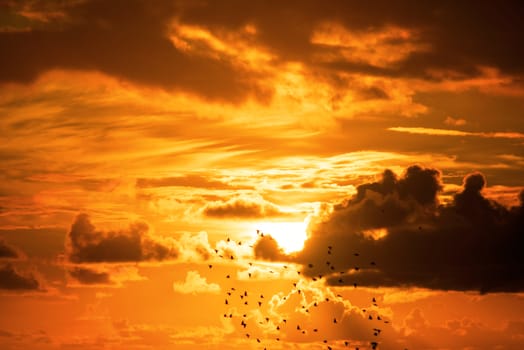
334,320
210,266
310,265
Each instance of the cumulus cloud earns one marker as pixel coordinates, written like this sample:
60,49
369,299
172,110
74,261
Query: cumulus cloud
86,244
394,232
194,284
89,276
13,280
7,251
267,248
240,207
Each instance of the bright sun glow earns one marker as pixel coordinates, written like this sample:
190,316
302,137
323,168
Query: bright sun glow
289,235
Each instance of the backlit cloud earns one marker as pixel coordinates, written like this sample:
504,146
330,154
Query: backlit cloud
241,207
7,251
13,280
89,276
394,232
87,245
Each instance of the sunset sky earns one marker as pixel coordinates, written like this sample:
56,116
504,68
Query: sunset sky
261,174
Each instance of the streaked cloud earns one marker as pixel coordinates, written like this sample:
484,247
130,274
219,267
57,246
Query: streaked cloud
449,132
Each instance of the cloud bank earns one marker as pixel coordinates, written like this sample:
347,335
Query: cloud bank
395,233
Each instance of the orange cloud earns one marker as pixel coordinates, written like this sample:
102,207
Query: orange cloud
195,284
447,132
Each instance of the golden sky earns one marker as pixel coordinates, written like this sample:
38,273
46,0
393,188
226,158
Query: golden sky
261,174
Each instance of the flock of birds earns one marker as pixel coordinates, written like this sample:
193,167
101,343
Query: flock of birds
246,300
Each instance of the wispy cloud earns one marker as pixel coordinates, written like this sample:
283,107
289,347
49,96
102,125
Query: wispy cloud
450,132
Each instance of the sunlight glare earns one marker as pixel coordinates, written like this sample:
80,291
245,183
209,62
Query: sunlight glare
289,235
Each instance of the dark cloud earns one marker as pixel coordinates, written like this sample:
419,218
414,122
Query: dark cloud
11,279
242,208
459,37
129,40
404,237
87,245
89,276
124,39
267,248
7,252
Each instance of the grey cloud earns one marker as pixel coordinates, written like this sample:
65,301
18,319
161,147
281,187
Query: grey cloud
11,279
404,237
85,244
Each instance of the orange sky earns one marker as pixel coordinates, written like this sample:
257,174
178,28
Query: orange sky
306,161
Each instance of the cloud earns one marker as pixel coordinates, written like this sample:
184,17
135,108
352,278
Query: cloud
405,238
195,284
89,276
447,132
267,248
7,251
103,34
186,181
330,36
11,279
246,208
87,245
454,121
